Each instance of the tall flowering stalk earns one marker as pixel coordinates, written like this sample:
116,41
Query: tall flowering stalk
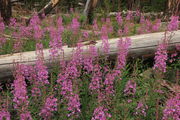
2,26
157,25
109,25
119,18
55,43
49,107
130,88
172,108
29,73
101,113
173,24
123,46
20,95
68,82
42,72
129,15
104,37
96,81
4,115
161,57
141,109
35,26
75,25
88,59
95,27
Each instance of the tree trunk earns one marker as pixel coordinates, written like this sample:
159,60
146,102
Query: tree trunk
6,10
89,8
173,6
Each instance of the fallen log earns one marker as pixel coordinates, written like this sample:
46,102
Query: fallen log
141,45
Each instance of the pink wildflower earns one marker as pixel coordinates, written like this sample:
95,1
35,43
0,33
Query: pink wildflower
60,25
109,82
88,59
49,107
157,25
174,23
74,105
123,46
75,25
104,37
4,115
141,109
2,41
96,78
2,27
172,109
119,18
42,72
101,113
161,57
130,88
129,15
20,94
55,43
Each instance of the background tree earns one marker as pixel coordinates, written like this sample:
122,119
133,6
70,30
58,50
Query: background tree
6,10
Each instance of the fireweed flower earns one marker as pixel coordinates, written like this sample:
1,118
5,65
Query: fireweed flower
35,26
4,115
2,26
142,20
130,88
141,109
85,34
109,25
74,105
55,43
95,83
161,57
172,108
142,28
75,25
66,84
88,59
123,46
13,23
104,37
157,25
67,80
39,50
148,26
129,15
20,95
29,73
42,72
38,32
2,41
49,107
25,31
173,24
60,25
119,18
95,27
109,82
101,113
